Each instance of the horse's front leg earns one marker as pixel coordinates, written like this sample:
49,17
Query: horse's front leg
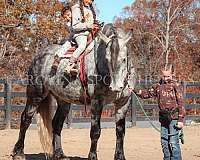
95,132
57,124
120,132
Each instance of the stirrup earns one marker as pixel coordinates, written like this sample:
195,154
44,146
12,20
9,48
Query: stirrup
70,68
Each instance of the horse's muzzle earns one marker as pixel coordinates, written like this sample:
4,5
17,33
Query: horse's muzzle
113,89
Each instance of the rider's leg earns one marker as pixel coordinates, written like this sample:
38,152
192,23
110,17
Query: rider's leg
59,55
81,41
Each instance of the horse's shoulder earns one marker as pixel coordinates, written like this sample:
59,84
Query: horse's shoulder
48,50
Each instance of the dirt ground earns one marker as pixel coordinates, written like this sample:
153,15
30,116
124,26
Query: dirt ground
140,144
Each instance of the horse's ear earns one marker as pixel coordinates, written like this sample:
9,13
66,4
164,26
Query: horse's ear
104,37
127,38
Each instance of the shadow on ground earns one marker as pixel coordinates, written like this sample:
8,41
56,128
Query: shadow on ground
41,156
77,158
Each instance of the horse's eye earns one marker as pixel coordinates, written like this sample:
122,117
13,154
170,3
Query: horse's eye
124,60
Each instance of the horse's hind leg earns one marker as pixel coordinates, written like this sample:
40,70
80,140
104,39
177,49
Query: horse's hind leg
120,132
96,110
26,119
57,124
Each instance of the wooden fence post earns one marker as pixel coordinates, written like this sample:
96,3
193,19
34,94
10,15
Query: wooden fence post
184,89
8,90
133,110
154,114
185,95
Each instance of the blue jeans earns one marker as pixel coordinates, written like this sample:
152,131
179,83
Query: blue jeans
170,144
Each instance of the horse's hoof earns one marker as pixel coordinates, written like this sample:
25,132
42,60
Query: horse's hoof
63,157
17,154
60,158
59,155
19,157
92,156
119,157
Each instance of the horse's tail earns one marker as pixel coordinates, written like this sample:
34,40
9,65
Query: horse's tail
44,123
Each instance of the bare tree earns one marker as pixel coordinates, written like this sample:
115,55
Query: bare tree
165,32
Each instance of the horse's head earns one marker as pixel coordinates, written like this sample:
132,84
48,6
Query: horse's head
117,57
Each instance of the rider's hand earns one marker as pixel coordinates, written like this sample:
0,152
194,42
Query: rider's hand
179,125
130,89
97,22
95,28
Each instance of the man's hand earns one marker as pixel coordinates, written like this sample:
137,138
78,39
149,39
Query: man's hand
179,125
130,89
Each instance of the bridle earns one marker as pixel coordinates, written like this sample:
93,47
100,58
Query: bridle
128,70
111,39
128,67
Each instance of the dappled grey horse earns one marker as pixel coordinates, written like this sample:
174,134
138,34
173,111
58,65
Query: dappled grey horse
109,72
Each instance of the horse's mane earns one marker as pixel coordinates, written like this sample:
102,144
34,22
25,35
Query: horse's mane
102,66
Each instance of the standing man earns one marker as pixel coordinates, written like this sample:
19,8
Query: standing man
170,101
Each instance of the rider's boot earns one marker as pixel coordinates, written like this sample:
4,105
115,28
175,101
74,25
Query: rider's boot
70,68
55,64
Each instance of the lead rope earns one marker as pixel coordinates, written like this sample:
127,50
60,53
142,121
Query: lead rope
149,120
